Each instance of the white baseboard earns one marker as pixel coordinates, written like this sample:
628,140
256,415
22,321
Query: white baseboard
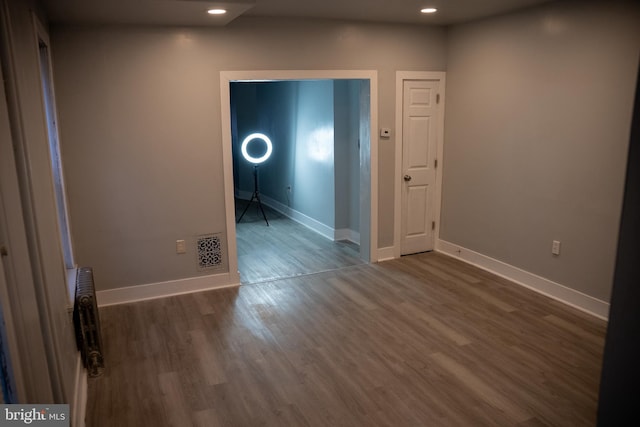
165,289
385,254
299,217
302,219
242,195
576,299
79,408
347,234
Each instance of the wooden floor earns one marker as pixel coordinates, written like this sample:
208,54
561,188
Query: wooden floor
285,248
421,341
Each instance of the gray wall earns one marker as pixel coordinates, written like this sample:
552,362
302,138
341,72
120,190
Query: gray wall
364,136
537,122
295,114
537,127
313,186
267,108
141,133
347,154
291,114
244,109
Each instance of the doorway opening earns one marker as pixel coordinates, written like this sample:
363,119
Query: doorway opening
315,189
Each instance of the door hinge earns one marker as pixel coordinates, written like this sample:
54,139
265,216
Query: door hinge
433,225
435,164
437,98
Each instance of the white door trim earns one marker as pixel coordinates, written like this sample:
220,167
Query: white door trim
401,77
42,34
23,321
226,77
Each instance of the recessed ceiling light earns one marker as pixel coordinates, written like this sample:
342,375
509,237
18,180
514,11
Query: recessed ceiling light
429,10
216,11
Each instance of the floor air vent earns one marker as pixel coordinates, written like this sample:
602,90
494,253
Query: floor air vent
209,250
87,322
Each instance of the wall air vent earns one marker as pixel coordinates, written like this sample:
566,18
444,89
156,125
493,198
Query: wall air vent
209,250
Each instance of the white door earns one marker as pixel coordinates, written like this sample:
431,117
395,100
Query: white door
419,148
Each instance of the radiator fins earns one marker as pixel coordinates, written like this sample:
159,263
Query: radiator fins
87,323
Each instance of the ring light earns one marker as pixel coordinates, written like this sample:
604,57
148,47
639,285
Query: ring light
253,137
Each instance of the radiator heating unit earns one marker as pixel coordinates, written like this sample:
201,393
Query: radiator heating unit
87,323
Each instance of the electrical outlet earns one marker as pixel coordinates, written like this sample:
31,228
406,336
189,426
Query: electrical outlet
181,247
555,247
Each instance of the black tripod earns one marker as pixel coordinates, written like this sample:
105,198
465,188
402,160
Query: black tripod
255,195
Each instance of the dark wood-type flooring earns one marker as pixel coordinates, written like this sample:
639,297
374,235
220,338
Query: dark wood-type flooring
421,341
285,248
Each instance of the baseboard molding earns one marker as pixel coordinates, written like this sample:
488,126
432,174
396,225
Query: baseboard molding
571,297
385,254
302,219
299,217
347,234
79,408
242,195
165,289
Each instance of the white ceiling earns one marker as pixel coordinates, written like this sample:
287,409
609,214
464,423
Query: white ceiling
193,12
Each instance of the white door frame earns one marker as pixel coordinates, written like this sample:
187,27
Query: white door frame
25,336
9,191
401,77
226,78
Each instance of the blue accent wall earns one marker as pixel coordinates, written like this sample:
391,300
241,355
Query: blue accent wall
314,127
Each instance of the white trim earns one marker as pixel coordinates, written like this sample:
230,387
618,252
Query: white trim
243,195
347,234
558,292
226,77
79,408
305,220
299,217
29,333
401,76
386,254
71,274
169,288
42,34
229,188
373,164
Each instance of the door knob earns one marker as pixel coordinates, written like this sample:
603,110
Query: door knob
407,178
